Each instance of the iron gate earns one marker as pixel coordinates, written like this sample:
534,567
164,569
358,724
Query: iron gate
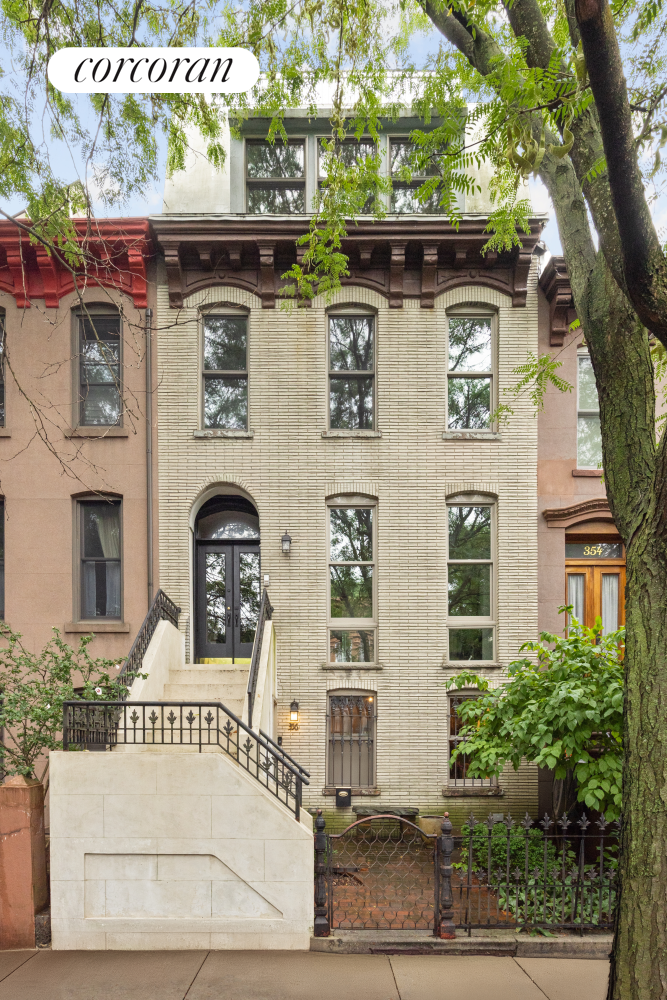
383,873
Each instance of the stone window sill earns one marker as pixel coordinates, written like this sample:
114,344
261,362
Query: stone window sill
589,473
97,432
220,432
352,666
453,792
348,432
96,626
355,791
5,433
471,665
471,436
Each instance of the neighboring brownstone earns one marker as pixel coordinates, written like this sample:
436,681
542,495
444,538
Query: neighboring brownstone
23,881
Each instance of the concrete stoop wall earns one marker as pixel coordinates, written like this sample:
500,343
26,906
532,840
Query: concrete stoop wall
174,850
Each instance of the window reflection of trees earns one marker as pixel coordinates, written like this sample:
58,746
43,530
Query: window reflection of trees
215,598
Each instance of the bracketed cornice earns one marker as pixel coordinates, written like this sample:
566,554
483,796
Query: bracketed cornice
116,252
417,258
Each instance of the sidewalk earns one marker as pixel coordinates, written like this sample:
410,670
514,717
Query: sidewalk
267,975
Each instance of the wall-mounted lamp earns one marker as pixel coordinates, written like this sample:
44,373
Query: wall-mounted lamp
286,542
294,716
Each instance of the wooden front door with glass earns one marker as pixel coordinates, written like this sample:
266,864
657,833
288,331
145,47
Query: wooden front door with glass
595,582
227,584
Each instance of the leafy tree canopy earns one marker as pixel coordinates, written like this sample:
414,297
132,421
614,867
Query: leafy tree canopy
562,710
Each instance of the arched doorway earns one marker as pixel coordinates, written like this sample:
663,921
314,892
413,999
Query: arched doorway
227,581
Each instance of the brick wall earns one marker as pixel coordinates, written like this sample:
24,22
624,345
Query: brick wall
289,469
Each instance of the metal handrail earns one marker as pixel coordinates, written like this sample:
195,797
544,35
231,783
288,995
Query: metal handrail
162,609
109,723
265,612
284,752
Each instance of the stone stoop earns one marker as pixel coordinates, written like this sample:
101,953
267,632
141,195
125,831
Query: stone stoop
203,682
482,942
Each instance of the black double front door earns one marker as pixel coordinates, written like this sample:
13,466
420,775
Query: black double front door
227,599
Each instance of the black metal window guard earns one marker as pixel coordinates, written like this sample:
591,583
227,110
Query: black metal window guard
173,723
265,612
162,609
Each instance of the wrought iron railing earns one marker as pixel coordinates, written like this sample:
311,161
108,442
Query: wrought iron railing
265,612
384,872
549,875
162,609
284,753
196,724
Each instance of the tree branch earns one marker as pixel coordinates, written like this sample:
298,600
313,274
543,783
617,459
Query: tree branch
644,263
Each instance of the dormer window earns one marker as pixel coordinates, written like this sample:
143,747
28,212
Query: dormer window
275,177
351,152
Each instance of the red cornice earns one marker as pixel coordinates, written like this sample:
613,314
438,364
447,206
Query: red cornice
116,254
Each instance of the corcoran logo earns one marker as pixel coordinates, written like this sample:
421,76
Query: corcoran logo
153,71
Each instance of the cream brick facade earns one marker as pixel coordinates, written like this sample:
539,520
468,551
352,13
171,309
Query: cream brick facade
289,469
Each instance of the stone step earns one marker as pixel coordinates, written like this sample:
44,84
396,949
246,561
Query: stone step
203,692
209,675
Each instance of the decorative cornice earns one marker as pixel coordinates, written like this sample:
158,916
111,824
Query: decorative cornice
399,258
555,283
116,254
589,510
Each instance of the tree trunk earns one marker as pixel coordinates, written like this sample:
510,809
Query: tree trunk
639,956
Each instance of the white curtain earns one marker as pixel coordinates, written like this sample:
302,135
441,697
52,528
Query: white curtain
108,529
575,595
609,602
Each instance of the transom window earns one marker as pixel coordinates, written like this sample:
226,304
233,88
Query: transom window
458,768
352,372
470,374
99,370
589,436
404,198
275,177
100,555
351,584
351,738
351,152
226,372
470,582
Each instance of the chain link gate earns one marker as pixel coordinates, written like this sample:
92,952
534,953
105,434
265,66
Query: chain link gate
383,873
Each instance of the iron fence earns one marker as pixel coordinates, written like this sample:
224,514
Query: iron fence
202,725
162,609
265,612
546,875
385,872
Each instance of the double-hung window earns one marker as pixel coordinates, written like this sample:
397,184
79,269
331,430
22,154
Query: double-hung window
352,615
100,559
458,768
351,738
404,200
589,437
225,372
352,153
352,372
99,370
275,177
470,581
470,373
